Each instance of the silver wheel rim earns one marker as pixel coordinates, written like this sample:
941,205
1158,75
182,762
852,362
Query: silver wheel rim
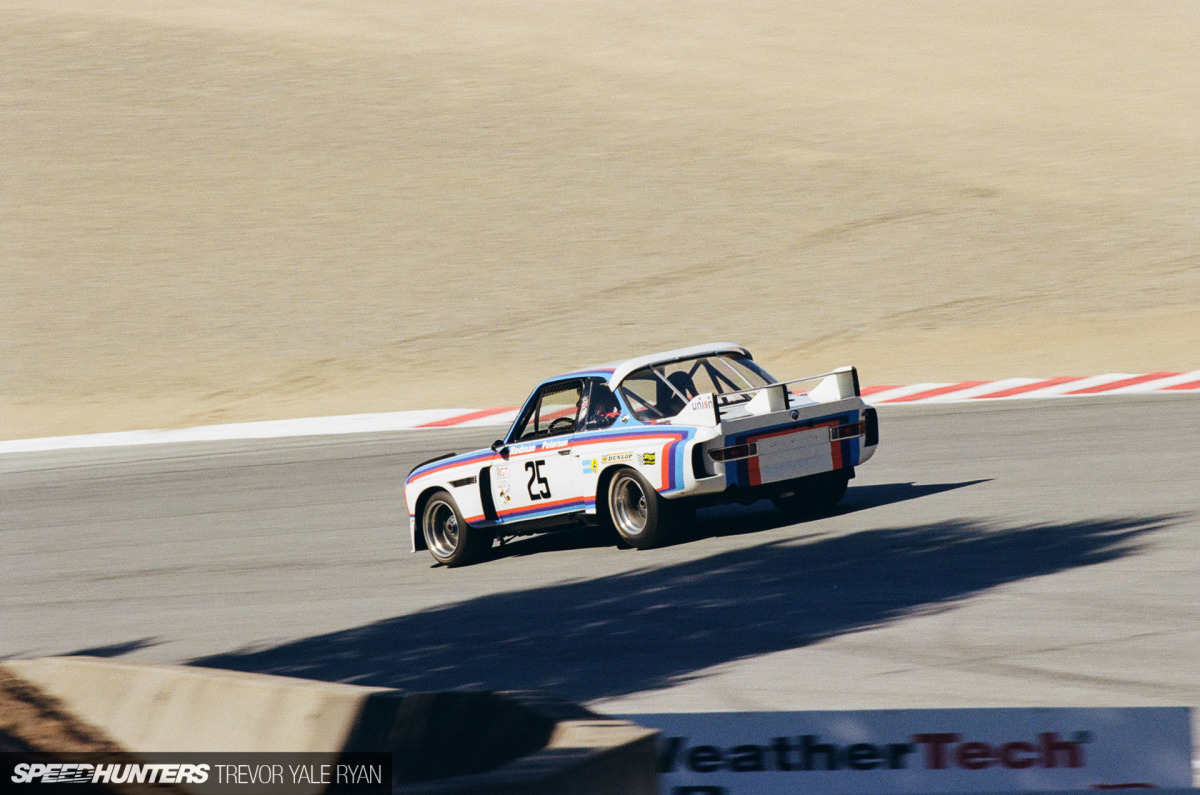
441,529
629,506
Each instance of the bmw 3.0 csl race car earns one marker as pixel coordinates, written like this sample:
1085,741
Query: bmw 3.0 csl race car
638,445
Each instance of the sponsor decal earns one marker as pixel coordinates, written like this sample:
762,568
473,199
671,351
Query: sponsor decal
648,459
505,494
521,449
929,751
554,444
591,467
502,473
614,458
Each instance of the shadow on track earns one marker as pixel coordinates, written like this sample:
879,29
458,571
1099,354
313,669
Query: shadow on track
735,520
649,628
116,649
859,498
729,520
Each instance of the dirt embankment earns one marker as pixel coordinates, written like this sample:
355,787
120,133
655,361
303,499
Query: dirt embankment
217,213
30,720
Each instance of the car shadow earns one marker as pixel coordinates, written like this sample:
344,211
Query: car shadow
725,520
734,520
860,498
557,541
659,625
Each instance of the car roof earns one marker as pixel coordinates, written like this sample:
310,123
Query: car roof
617,372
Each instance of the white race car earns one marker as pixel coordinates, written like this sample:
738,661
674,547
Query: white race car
638,445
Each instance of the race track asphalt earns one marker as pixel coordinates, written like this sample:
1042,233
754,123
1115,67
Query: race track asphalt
998,554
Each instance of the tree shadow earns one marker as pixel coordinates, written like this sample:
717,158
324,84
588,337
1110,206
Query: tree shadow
116,649
652,627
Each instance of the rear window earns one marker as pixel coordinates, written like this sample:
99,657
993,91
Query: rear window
661,391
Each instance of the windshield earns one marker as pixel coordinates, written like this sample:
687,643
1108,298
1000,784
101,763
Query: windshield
662,390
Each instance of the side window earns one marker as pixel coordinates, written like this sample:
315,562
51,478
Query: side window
659,393
640,390
555,411
601,407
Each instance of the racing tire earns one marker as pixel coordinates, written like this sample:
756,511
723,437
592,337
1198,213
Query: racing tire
636,511
450,540
814,495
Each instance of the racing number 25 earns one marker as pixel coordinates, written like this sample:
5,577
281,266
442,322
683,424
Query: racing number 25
536,478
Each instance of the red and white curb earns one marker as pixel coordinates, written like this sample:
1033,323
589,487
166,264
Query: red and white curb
1006,389
1026,388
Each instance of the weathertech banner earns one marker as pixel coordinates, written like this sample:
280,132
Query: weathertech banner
922,751
200,773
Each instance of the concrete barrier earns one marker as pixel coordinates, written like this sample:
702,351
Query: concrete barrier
168,708
460,742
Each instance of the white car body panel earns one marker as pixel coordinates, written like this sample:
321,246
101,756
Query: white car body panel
523,483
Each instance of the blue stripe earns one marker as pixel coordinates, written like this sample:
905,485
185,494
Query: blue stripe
534,511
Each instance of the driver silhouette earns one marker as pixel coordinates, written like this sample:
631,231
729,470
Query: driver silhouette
603,410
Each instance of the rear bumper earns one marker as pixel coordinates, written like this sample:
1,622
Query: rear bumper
787,445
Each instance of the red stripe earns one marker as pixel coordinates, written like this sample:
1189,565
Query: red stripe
1188,385
871,390
945,390
1020,390
670,436
752,471
474,415
1140,379
794,429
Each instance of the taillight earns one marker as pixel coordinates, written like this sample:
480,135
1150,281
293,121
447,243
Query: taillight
846,431
734,453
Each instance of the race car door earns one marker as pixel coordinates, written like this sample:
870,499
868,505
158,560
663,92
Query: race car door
539,477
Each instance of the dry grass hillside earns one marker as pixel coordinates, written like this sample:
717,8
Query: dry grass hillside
228,211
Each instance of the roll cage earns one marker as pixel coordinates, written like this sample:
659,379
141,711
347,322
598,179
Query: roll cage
660,391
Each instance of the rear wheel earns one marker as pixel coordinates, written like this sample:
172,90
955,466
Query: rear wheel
450,539
636,511
814,495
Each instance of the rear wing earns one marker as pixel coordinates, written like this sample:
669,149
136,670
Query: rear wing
709,409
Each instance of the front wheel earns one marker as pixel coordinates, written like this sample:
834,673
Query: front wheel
636,511
451,540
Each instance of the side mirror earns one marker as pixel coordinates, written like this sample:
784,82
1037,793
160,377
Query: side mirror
497,445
